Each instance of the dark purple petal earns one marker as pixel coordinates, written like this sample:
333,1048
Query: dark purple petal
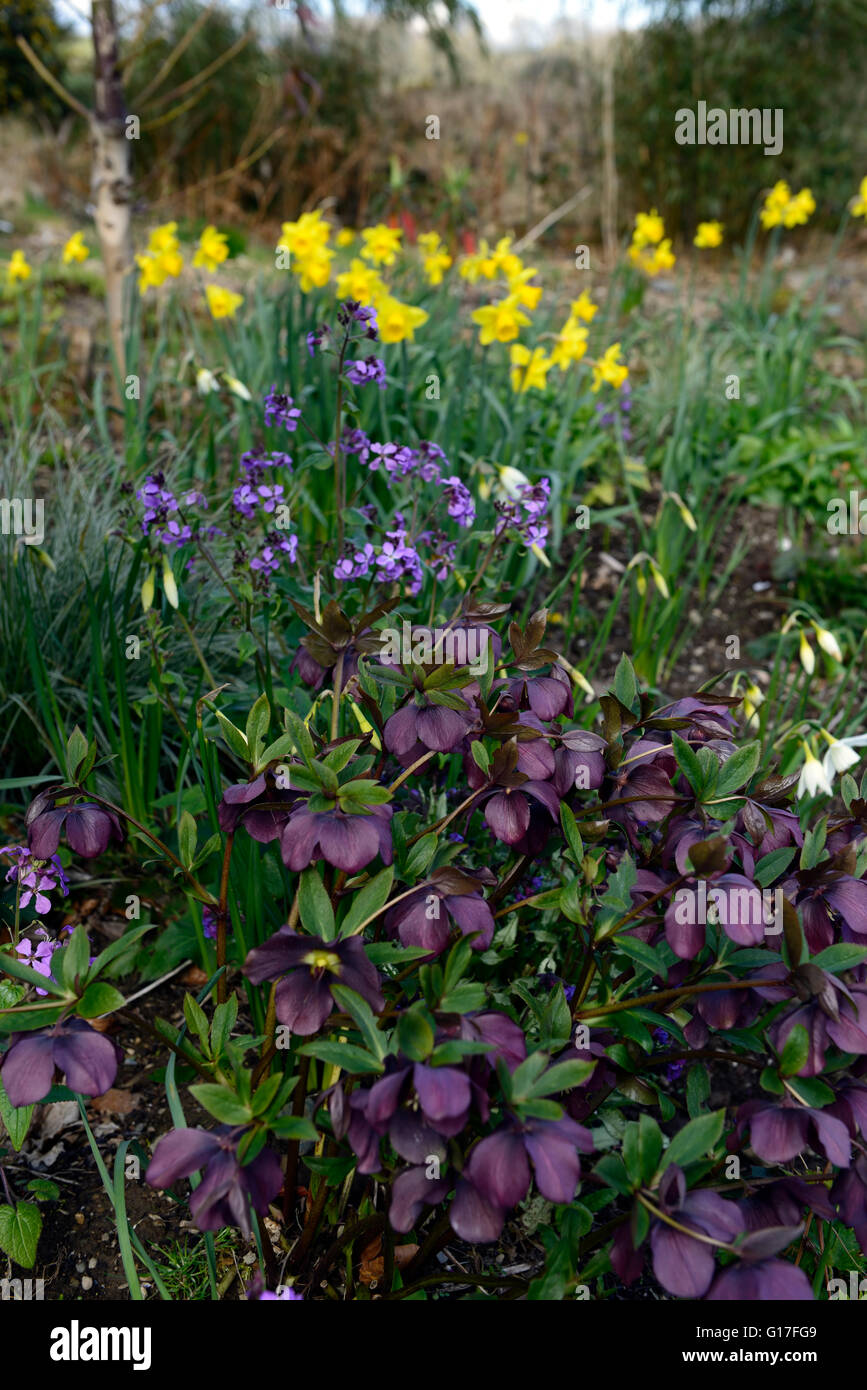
472,1217
28,1068
499,1170
180,1153
348,842
443,1092
88,1058
410,1192
304,1001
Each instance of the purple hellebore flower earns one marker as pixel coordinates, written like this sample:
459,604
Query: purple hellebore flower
497,1175
436,727
824,894
349,842
849,1193
508,810
423,918
224,1195
440,1107
259,805
758,1280
307,967
684,1265
831,1012
739,908
548,697
88,1060
88,827
780,1130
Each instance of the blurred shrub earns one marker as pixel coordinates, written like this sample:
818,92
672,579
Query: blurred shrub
806,56
20,86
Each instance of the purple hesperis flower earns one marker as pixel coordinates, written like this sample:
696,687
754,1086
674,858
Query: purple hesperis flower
316,338
366,369
227,1190
36,878
307,967
459,500
88,1060
88,827
280,409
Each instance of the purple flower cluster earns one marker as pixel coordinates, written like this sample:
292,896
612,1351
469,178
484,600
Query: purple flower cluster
36,878
280,409
523,514
160,520
352,312
365,370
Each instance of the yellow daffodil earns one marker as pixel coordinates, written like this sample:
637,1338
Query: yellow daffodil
212,250
802,206
653,259
398,321
583,308
500,322
859,207
436,257
381,244
360,282
222,302
18,268
75,249
708,235
521,137
649,229
528,296
571,344
304,237
473,266
609,368
313,271
781,207
163,239
503,261
345,237
153,273
529,369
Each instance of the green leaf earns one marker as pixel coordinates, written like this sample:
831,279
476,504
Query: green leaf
844,956
694,1140
368,902
75,958
649,1146
224,1020
645,955
258,721
795,1052
625,683
738,769
562,1077
43,1189
315,907
197,1020
419,857
688,763
16,1119
811,1091
20,1228
233,736
415,1036
222,1103
99,999
294,1127
697,1090
527,1074
481,756
187,837
364,1018
344,1055
78,755
773,864
572,833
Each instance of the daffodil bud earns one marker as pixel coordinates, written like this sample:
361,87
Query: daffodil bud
828,642
147,589
808,656
169,585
